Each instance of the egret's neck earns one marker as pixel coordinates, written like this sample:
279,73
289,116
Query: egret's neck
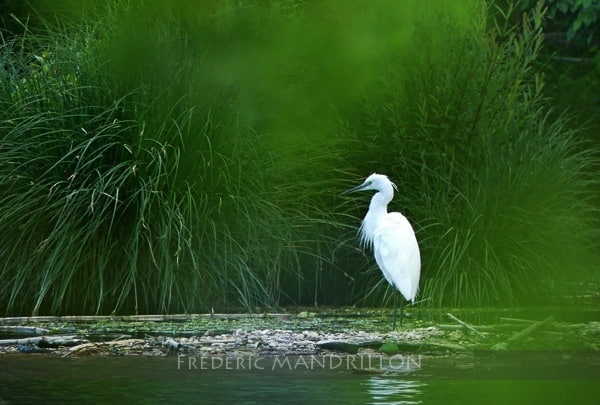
379,203
377,211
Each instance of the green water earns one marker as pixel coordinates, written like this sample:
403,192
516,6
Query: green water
486,378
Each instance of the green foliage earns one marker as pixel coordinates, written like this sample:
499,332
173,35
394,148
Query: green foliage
178,156
579,18
570,59
132,194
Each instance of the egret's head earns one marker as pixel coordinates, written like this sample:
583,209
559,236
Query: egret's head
379,182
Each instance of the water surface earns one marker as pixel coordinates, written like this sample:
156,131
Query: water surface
488,378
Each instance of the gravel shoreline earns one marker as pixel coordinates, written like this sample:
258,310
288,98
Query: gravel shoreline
284,335
241,342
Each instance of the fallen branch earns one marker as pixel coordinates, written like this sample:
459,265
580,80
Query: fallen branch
481,328
465,325
529,330
139,318
44,341
581,61
518,320
210,341
23,330
522,334
82,349
125,342
22,341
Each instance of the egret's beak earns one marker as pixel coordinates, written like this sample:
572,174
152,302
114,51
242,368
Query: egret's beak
360,187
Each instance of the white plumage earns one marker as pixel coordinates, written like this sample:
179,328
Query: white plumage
391,237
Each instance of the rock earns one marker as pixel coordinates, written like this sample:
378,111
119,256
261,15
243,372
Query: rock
339,345
306,314
311,335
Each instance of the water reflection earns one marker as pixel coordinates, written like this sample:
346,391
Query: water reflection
387,380
390,390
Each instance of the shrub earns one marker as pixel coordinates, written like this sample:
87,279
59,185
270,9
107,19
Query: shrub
498,190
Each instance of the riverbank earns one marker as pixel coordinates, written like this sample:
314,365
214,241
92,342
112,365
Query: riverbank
305,332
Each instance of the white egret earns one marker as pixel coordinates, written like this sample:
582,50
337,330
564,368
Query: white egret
392,239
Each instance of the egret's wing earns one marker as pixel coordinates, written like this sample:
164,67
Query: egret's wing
397,254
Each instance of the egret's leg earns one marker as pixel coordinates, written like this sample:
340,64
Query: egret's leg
401,311
395,305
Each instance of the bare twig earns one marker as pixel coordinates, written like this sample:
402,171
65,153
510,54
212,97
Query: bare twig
581,61
518,320
24,330
465,325
529,330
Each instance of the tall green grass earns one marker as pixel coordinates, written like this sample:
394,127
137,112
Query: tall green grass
164,156
131,195
498,190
